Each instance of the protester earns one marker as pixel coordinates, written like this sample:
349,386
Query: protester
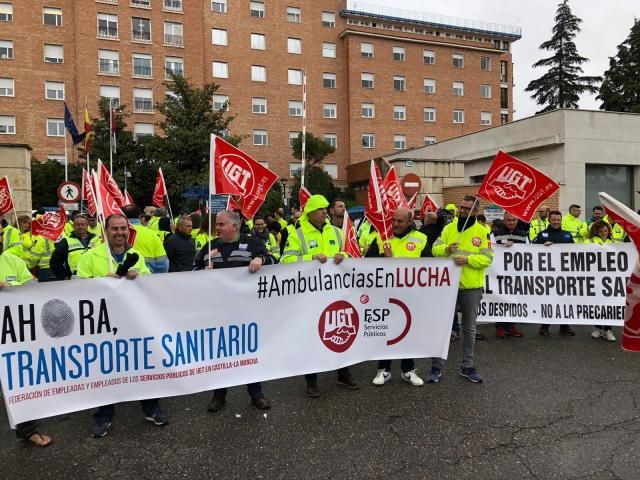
181,247
12,241
540,223
93,226
279,216
600,234
317,239
261,232
432,226
39,258
467,243
164,229
116,259
202,234
24,226
231,249
158,213
406,242
68,251
147,242
551,235
571,223
337,209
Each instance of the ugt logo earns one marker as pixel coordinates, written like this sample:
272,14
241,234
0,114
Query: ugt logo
5,200
338,326
513,183
238,172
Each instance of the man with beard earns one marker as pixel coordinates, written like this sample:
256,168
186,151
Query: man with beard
539,224
337,208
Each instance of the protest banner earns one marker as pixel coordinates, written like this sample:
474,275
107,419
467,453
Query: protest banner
66,346
574,284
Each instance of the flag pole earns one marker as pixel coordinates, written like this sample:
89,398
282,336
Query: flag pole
304,128
212,188
100,215
66,158
15,213
110,137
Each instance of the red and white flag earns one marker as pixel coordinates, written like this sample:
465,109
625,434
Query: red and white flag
411,203
109,184
233,172
515,186
377,210
6,201
159,191
428,205
392,190
303,196
630,222
232,205
88,192
351,246
50,225
106,205
127,199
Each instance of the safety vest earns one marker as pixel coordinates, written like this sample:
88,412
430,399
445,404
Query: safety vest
12,243
149,245
273,246
202,239
95,263
536,226
409,246
68,228
283,223
306,241
153,223
599,241
97,230
473,243
76,249
13,270
573,225
40,253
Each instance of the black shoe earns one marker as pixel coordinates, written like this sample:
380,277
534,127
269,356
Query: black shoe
346,380
101,428
312,390
261,402
159,418
479,336
217,403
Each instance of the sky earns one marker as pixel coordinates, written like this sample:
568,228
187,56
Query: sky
606,24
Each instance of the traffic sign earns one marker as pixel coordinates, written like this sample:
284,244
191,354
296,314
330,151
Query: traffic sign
70,207
69,192
493,212
411,184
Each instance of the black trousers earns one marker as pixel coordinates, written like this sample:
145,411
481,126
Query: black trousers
313,377
406,365
105,413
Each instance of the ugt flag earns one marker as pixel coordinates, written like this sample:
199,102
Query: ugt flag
428,205
515,186
110,184
6,202
160,190
351,246
303,196
377,210
50,225
88,192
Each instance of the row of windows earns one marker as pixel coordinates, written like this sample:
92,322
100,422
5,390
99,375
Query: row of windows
398,54
257,10
258,41
109,64
140,29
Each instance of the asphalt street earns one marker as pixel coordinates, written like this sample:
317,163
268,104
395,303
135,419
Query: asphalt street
549,408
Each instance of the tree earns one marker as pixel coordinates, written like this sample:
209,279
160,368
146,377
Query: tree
45,178
620,89
315,149
318,182
563,84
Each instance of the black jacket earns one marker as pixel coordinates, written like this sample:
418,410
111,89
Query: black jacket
180,252
553,236
517,236
234,254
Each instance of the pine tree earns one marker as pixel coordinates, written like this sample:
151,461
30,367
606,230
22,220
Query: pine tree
563,84
620,89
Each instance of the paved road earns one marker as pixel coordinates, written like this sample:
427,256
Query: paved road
552,407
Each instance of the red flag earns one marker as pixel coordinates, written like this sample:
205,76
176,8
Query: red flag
235,173
303,196
428,205
393,191
630,222
106,204
127,199
160,190
515,186
351,246
375,211
88,192
110,184
232,205
50,225
411,203
6,201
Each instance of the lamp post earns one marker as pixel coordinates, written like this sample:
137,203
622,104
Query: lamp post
284,181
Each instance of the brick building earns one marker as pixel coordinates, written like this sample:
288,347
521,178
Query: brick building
378,79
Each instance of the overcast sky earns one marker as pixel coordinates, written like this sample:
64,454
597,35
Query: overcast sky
605,25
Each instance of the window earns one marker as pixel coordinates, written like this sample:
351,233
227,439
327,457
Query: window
368,140
399,142
429,140
485,91
107,25
329,80
219,37
366,50
258,41
259,105
173,34
260,137
6,50
256,9
140,29
458,89
503,71
142,100
7,125
329,110
331,169
173,65
54,90
294,169
504,118
458,60
7,87
485,64
57,157
368,110
485,118
429,57
504,97
398,54
399,83
328,19
220,69
219,6
6,12
295,108
52,16
429,114
142,130
294,45
141,3
259,73
367,80
55,127
328,50
458,116
294,77
293,136
53,53
429,85
294,14
399,112
173,5
141,65
109,62
112,92
220,102
331,139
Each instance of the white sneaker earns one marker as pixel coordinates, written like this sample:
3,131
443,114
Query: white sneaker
608,336
597,333
413,378
382,377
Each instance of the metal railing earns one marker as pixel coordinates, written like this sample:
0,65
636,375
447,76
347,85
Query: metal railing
176,40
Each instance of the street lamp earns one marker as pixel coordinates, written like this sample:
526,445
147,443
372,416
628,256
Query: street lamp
284,181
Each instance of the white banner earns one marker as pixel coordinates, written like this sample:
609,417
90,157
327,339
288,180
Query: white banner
574,284
68,346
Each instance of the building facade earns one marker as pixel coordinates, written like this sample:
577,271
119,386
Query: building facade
378,79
